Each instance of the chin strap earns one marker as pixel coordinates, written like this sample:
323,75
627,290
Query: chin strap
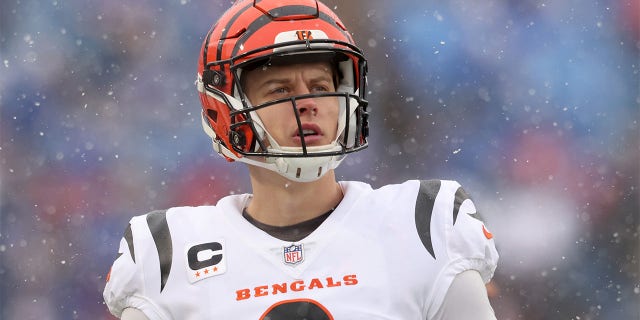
306,169
299,169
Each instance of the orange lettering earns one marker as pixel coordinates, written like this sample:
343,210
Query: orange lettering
315,283
279,288
350,280
297,285
261,291
330,282
243,294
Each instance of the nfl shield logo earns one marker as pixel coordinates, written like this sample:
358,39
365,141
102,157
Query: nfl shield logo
293,254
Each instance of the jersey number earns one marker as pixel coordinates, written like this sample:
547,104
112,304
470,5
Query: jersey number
297,309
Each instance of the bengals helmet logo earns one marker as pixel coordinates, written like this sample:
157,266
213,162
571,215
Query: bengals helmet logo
304,35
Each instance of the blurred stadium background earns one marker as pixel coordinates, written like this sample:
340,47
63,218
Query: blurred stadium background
532,105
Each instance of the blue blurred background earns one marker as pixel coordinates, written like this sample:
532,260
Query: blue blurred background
532,105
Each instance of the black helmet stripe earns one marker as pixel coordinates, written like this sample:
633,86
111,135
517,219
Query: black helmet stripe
225,31
206,46
294,10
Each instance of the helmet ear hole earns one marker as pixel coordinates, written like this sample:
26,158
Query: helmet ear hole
213,115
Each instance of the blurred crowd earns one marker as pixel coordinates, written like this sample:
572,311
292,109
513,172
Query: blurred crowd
533,106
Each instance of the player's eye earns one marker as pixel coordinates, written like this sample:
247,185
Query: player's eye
278,91
323,86
320,89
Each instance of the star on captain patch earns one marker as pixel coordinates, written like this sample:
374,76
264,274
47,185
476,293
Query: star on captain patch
293,254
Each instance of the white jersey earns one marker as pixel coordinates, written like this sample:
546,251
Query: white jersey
389,253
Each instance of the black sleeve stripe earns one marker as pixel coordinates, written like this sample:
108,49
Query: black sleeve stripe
461,196
157,221
424,208
128,236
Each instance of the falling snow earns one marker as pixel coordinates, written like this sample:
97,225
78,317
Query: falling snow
532,106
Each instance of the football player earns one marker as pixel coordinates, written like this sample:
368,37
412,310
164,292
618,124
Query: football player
282,87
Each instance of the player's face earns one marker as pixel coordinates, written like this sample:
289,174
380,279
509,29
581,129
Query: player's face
318,116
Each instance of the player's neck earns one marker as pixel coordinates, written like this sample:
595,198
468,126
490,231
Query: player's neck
277,201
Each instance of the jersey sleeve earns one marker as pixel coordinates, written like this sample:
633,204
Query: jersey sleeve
127,283
470,245
461,241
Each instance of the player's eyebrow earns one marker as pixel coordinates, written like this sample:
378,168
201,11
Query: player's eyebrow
282,80
278,80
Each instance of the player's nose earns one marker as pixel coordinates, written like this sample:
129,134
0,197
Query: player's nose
306,106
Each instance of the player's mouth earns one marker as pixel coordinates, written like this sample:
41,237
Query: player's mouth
311,132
